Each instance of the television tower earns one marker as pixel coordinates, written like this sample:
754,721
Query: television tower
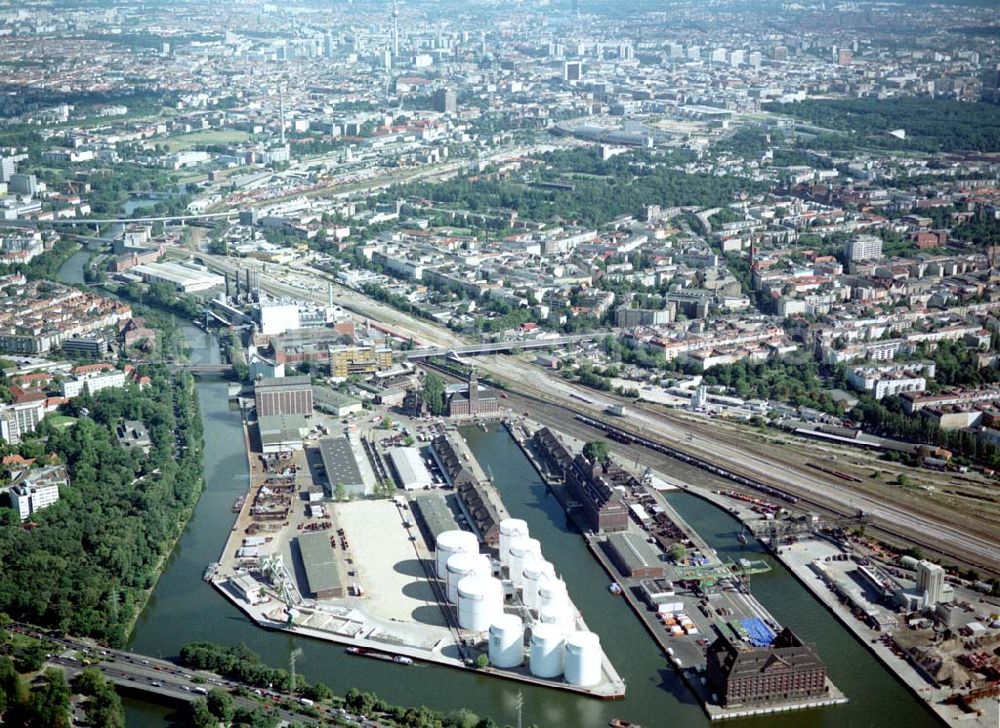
395,31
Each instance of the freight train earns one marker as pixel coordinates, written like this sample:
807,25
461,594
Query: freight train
627,438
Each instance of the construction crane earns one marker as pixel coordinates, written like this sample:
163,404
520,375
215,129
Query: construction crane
275,569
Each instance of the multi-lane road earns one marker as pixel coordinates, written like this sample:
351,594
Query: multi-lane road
703,439
164,681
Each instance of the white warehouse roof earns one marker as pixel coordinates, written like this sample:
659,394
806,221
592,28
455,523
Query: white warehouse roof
410,468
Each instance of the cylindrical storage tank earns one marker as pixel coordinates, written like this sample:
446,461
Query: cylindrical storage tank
510,528
583,659
520,549
560,615
448,544
480,602
507,641
552,591
534,573
546,659
461,565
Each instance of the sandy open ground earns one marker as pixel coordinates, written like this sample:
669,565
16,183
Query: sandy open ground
387,563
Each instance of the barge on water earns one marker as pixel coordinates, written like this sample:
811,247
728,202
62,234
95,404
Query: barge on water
376,655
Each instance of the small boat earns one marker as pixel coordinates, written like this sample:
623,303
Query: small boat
615,588
619,723
743,537
210,571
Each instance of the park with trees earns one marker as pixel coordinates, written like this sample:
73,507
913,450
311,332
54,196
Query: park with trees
87,563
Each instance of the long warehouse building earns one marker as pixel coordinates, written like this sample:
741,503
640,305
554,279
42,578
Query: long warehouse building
410,468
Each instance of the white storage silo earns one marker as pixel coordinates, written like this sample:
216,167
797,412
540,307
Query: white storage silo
552,591
480,602
518,550
461,565
546,659
562,615
510,528
534,573
449,543
506,641
583,659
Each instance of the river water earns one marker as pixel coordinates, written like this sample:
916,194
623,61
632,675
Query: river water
183,608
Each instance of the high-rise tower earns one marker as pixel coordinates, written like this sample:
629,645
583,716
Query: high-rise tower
395,31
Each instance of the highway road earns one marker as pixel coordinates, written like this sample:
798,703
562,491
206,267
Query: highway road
165,681
702,439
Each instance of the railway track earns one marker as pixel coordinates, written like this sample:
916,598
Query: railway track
759,478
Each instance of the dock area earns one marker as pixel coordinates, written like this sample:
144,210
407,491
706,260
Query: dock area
372,585
683,605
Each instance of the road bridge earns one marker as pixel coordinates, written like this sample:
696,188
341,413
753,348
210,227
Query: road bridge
498,346
125,220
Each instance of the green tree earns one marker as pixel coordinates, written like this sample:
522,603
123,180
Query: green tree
200,716
220,704
482,661
596,451
434,394
49,702
340,492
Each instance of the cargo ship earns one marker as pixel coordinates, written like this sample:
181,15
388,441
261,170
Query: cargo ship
374,654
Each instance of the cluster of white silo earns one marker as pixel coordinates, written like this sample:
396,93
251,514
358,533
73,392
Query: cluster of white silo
449,543
506,648
577,656
461,565
468,578
582,659
480,602
556,647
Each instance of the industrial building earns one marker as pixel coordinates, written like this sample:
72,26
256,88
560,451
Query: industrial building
348,360
320,564
277,318
184,278
633,556
480,511
284,396
281,433
476,401
341,465
744,674
326,399
593,484
409,467
450,463
435,514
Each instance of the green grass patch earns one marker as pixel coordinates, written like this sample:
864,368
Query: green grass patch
214,136
62,420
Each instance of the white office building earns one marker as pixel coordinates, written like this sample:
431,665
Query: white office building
17,420
93,383
863,247
39,489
